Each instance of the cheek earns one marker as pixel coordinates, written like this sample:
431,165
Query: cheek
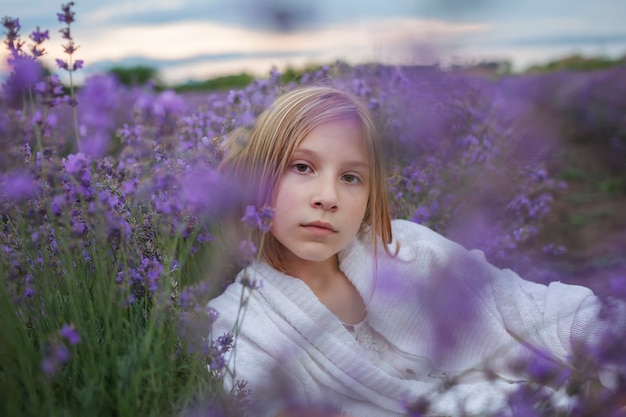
365,200
281,198
285,200
366,207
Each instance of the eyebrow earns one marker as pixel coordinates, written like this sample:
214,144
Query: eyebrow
354,163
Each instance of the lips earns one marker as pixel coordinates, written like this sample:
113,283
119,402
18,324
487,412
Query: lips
319,228
320,225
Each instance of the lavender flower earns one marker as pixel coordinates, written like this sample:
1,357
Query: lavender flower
206,193
67,16
248,251
154,269
51,91
213,314
59,355
17,186
69,333
260,219
251,216
57,203
76,165
62,64
617,284
71,65
38,37
28,288
96,145
12,41
25,74
218,349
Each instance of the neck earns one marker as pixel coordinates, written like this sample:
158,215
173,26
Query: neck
314,274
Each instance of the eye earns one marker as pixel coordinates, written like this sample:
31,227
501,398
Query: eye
301,168
351,179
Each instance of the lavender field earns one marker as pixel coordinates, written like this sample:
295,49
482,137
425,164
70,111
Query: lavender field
112,214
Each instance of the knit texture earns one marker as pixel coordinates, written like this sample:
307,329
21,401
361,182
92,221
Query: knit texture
433,299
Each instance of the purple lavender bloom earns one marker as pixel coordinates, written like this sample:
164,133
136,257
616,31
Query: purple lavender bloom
205,192
13,41
61,354
267,216
251,217
58,355
47,124
25,149
552,249
13,27
108,199
247,249
218,362
212,313
57,203
69,333
153,273
225,342
51,91
168,102
421,215
18,186
258,218
545,370
204,237
49,366
78,227
38,36
67,16
96,145
617,284
218,349
102,93
28,290
62,64
26,72
74,164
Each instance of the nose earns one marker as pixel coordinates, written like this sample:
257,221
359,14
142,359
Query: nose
325,195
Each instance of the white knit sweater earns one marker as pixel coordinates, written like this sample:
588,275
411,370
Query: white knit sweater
435,311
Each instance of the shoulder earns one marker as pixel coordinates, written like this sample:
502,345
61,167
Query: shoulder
405,229
226,305
412,240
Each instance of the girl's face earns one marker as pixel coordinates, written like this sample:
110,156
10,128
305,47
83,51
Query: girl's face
321,198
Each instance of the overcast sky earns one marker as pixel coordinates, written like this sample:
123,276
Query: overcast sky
198,39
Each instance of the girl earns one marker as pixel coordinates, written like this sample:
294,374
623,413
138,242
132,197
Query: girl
355,314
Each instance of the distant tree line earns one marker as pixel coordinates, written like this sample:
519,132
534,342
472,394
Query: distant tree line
142,75
578,63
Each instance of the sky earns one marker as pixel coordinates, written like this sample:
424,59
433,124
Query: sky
199,39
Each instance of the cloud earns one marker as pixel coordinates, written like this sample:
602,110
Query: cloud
181,41
112,11
200,38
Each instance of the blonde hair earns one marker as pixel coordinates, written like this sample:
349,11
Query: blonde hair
258,157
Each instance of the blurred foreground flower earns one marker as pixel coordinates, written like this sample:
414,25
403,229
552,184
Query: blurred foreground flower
18,186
